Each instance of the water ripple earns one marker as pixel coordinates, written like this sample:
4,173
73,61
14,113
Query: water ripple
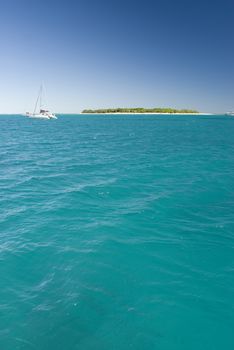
116,232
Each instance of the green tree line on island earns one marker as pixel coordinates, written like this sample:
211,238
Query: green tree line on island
139,110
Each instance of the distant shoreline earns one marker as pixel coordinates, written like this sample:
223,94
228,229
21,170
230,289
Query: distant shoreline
140,110
118,113
149,113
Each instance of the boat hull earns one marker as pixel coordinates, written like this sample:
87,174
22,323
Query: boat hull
40,116
36,116
52,116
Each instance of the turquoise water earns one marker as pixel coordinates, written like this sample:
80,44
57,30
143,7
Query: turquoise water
117,232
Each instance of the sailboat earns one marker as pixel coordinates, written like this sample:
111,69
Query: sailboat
42,113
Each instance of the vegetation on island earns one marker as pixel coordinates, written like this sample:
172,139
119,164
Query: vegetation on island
140,110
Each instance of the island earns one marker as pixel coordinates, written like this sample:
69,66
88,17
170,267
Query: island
140,110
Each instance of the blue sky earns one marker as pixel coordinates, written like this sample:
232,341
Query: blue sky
92,54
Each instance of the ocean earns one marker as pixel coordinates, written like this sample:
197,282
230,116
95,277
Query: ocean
117,233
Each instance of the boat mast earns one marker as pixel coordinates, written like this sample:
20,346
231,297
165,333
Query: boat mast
39,96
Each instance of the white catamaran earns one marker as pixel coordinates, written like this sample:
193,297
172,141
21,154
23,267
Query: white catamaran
42,113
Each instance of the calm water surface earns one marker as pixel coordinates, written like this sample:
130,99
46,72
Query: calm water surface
117,233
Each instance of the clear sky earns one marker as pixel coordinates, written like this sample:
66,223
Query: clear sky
117,53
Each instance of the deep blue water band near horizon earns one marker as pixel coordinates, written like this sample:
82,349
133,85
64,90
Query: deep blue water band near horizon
117,232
